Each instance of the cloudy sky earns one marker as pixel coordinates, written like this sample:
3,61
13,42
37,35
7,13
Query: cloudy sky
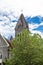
10,11
29,7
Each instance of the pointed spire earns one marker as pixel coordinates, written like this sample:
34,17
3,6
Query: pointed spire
21,24
23,21
22,18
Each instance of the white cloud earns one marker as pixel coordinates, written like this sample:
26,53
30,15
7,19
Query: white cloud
37,32
8,29
33,26
6,26
41,23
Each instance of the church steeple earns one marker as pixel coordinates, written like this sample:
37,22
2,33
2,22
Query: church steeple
21,24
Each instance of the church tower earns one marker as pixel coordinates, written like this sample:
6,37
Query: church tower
21,24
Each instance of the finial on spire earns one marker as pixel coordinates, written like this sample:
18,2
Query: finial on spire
22,11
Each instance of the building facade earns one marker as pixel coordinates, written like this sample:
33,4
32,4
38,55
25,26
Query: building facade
4,49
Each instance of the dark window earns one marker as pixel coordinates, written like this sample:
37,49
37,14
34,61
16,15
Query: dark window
27,26
0,56
0,63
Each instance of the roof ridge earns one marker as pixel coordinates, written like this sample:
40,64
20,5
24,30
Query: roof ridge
5,41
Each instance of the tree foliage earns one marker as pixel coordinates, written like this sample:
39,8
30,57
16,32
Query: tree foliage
28,50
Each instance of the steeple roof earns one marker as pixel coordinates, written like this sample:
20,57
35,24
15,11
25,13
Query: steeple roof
21,24
21,21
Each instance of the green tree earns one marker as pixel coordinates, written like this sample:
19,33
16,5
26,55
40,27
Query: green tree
28,50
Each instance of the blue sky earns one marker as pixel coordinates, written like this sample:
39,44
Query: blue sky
10,11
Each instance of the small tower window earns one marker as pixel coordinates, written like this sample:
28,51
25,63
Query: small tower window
27,26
